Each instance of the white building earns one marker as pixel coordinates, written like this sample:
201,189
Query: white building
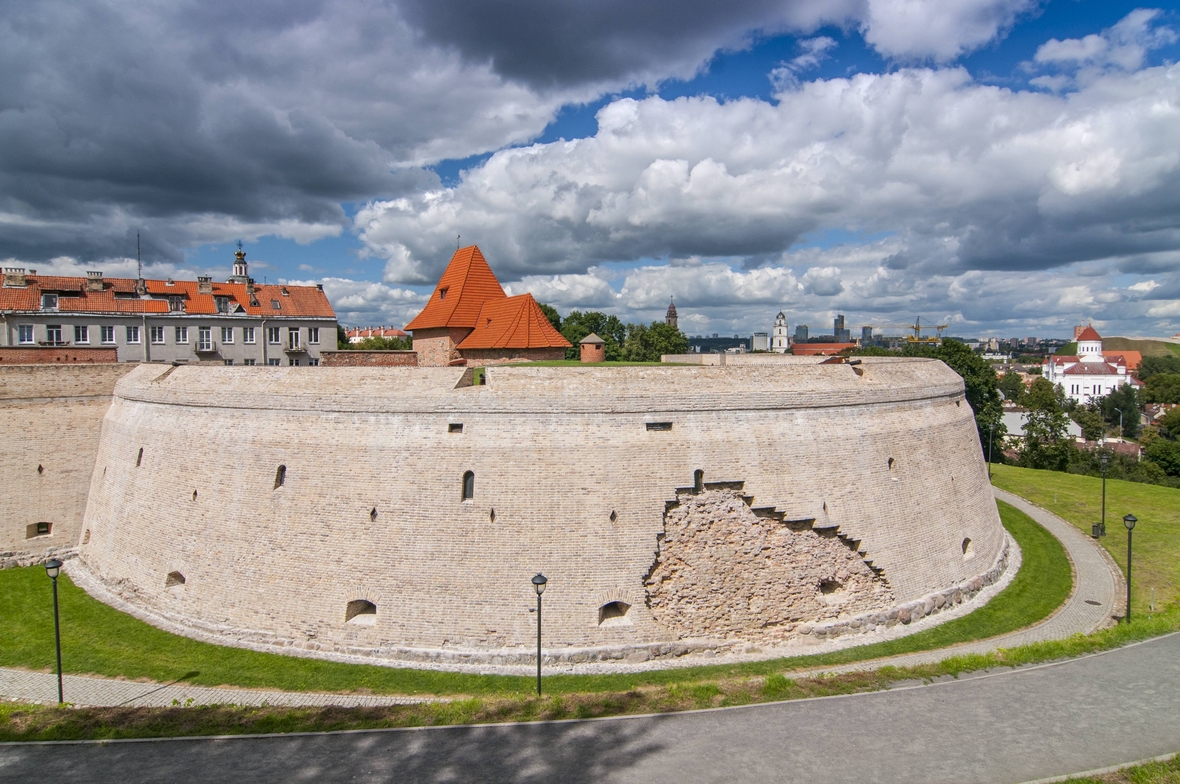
779,342
760,342
1088,375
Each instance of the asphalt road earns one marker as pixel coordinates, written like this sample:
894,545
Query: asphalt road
1009,726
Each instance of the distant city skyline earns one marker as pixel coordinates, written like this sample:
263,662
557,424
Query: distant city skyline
1005,167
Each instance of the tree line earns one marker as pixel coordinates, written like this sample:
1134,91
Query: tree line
624,342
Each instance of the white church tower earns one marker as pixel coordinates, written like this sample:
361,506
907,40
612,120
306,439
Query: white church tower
778,343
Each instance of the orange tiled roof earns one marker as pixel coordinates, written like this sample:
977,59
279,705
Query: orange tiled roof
513,322
1130,358
297,302
1089,333
465,285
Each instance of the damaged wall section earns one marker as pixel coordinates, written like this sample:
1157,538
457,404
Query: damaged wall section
724,571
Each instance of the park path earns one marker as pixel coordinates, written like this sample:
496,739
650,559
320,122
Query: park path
1096,598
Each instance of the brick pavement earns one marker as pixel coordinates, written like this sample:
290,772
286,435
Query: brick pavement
1096,580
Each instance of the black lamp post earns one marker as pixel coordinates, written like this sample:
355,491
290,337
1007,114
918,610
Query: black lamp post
539,582
1129,521
1104,459
53,569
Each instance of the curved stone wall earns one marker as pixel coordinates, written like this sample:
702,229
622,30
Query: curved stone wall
323,509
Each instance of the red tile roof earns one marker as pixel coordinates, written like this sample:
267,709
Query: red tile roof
360,333
1130,358
465,286
297,302
513,322
1092,369
1088,334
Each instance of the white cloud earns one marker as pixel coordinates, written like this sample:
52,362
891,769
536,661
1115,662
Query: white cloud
1125,45
939,29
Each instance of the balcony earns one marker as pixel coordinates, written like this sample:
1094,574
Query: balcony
206,348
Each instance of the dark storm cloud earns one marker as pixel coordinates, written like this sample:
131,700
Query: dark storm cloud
570,42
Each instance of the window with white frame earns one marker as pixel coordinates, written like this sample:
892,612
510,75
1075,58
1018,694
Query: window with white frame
25,334
274,335
313,335
248,362
108,334
248,335
133,334
176,304
157,335
204,338
229,362
314,362
81,334
293,337
53,334
274,361
182,335
227,335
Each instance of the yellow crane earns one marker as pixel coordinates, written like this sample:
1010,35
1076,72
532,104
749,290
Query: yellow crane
917,336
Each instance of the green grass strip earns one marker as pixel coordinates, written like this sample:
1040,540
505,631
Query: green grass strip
97,639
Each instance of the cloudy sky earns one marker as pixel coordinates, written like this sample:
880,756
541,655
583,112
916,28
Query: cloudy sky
1010,167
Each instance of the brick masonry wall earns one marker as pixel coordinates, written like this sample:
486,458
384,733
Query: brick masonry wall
496,356
569,481
436,347
368,359
52,419
50,355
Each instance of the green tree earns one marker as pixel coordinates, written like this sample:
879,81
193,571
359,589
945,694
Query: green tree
1170,424
1091,421
1152,366
342,338
648,343
1012,385
1166,454
1162,388
1122,400
553,316
1046,443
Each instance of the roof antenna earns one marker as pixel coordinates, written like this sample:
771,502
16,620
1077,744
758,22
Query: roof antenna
138,258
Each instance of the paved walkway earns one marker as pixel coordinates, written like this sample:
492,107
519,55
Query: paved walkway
1095,599
1012,726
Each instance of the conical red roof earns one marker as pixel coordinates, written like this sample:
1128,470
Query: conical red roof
465,286
514,322
1089,333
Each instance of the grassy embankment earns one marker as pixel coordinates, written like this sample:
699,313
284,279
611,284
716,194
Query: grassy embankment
1163,772
1078,499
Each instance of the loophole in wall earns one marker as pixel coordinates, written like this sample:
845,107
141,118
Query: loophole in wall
968,549
361,612
174,580
614,614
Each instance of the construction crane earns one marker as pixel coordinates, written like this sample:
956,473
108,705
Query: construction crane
917,336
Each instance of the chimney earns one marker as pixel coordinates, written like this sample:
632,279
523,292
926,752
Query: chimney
204,284
93,281
14,276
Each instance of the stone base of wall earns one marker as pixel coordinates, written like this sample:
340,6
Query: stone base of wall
505,356
369,358
15,559
953,601
56,355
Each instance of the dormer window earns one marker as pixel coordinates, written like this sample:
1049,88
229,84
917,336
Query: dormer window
48,302
442,293
285,292
222,304
275,305
176,304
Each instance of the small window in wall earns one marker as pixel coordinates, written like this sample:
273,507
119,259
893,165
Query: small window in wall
194,495
613,614
139,458
86,537
492,516
442,293
373,514
892,469
698,480
280,476
455,427
968,549
468,486
613,515
40,469
361,612
659,425
174,580
38,529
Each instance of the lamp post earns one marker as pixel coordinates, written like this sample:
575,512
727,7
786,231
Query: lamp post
990,430
53,569
1104,459
1129,521
539,582
1120,421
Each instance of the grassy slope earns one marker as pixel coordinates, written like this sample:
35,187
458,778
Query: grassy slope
98,639
1078,499
1148,348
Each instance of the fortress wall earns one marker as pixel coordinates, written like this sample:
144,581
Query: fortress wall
52,418
554,450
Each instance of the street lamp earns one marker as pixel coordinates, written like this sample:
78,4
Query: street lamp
539,582
1129,521
53,569
1104,459
1120,421
990,430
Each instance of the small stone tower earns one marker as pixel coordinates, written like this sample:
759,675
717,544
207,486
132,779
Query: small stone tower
593,348
778,342
241,273
670,317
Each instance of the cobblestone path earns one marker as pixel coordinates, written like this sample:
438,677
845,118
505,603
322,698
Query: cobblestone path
1096,598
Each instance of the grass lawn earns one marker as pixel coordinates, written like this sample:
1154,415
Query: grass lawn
100,640
1078,499
1163,772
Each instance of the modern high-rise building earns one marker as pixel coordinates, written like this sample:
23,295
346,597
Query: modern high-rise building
841,334
866,335
760,342
801,333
